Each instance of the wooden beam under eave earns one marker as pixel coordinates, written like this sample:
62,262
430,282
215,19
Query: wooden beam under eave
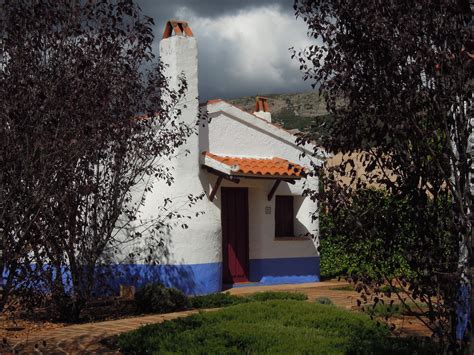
215,188
227,177
274,188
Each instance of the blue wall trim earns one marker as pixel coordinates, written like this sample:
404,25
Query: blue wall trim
284,270
192,279
200,279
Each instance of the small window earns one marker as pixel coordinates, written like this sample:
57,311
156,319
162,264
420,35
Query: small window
284,216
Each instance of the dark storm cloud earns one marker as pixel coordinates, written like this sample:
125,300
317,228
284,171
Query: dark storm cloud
207,8
243,44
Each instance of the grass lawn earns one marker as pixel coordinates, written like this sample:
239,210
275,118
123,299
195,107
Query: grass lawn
275,326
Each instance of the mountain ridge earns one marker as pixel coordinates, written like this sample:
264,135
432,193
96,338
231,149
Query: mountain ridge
291,110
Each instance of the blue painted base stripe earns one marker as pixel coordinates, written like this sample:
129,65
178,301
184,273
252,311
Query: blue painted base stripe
284,270
199,279
192,279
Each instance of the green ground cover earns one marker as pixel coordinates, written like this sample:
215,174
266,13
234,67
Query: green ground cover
214,300
275,326
156,298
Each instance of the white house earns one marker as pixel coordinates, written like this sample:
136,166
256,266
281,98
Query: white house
257,225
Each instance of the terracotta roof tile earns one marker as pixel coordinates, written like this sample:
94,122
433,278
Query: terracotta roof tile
214,101
261,166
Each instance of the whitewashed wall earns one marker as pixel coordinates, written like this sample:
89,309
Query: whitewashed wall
191,258
227,135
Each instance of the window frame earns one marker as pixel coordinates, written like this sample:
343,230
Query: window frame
284,204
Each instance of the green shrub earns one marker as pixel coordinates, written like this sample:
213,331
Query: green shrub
323,300
290,120
340,255
215,300
384,310
388,288
376,220
278,326
225,299
270,295
347,287
156,298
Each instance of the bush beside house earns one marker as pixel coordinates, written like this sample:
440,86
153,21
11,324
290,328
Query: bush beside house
156,298
347,248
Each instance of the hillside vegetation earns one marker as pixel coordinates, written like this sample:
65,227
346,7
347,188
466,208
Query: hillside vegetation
290,110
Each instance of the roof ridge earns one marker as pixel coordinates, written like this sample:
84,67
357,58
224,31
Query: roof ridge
215,101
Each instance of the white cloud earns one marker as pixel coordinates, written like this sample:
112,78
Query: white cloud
248,52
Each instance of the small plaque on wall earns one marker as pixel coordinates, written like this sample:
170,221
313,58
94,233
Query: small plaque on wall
268,210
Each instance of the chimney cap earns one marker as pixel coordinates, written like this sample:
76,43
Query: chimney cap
261,104
180,28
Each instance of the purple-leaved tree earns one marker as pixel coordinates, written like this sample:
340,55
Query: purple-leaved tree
397,79
85,115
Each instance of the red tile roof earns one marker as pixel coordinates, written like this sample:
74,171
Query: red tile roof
261,166
213,101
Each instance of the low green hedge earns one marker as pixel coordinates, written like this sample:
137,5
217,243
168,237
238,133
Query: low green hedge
271,295
214,300
276,326
156,298
225,299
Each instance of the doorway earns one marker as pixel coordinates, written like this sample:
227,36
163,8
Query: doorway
235,234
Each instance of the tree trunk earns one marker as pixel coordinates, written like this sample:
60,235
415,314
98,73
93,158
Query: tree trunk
470,275
2,266
470,113
471,335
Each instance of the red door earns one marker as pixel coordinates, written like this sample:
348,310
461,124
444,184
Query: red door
235,234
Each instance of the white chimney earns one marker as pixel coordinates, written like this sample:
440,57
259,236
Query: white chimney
178,52
261,108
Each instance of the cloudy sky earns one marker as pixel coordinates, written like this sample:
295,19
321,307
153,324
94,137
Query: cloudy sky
243,44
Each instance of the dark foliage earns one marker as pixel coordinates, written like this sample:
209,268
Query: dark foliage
156,298
323,300
215,300
396,77
86,115
377,221
289,120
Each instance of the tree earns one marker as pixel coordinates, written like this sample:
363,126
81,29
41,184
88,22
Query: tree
396,76
86,115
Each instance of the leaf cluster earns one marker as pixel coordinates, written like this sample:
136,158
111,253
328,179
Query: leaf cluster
397,80
87,119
